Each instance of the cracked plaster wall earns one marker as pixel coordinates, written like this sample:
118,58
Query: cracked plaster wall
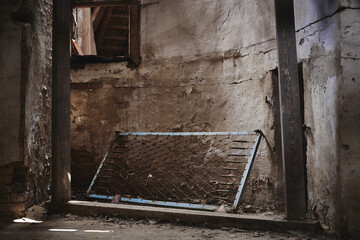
25,152
328,46
349,128
198,67
206,67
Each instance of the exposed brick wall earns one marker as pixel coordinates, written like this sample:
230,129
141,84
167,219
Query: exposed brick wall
14,190
25,173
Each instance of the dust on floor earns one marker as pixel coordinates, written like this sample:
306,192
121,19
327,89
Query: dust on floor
76,227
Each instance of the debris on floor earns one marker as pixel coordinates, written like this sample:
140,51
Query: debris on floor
77,227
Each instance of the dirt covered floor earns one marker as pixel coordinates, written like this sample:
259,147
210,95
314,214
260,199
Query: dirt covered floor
76,227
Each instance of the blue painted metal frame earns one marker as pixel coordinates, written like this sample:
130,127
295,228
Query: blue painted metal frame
246,173
239,193
159,203
98,171
183,133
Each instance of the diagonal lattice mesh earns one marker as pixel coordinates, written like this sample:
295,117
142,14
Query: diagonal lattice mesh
198,169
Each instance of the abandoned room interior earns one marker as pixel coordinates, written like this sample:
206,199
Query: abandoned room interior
220,114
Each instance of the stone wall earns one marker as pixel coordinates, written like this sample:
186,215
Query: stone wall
349,110
319,38
25,34
198,68
207,66
37,137
328,47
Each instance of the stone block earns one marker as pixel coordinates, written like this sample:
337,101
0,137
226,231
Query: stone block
5,180
19,197
20,173
12,208
4,198
4,189
6,171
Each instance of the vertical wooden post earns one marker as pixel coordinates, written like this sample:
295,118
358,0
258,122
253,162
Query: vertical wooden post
61,160
135,31
290,112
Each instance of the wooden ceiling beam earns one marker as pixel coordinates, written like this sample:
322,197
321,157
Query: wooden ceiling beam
95,13
118,38
98,3
113,48
98,18
104,23
118,27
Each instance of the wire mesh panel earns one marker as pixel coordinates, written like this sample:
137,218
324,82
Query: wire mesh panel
197,170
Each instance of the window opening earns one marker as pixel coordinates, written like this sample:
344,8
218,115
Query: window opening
102,31
106,33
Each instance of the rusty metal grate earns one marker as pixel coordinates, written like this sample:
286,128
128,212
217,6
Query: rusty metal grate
200,170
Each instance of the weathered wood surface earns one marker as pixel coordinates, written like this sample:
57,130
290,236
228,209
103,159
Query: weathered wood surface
95,3
290,112
135,32
61,160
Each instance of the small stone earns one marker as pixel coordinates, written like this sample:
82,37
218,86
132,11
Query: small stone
6,171
152,222
325,227
5,180
221,209
18,197
225,228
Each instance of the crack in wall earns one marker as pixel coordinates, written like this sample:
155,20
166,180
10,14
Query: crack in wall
328,16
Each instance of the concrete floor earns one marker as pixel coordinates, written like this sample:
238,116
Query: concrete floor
76,227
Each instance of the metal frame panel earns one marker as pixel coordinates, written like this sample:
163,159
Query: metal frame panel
98,171
246,173
240,191
159,203
183,133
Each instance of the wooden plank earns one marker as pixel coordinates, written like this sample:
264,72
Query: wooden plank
95,13
134,38
96,3
61,159
120,16
117,38
290,112
77,47
113,48
103,26
119,27
98,18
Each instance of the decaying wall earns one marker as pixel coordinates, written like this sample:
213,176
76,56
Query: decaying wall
349,109
25,35
328,47
207,66
198,69
319,39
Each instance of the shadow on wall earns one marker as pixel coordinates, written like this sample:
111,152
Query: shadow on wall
82,167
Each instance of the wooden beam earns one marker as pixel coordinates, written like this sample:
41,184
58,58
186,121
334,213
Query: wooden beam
119,16
117,48
134,35
117,38
77,47
119,27
61,159
104,24
290,112
95,13
97,3
98,18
